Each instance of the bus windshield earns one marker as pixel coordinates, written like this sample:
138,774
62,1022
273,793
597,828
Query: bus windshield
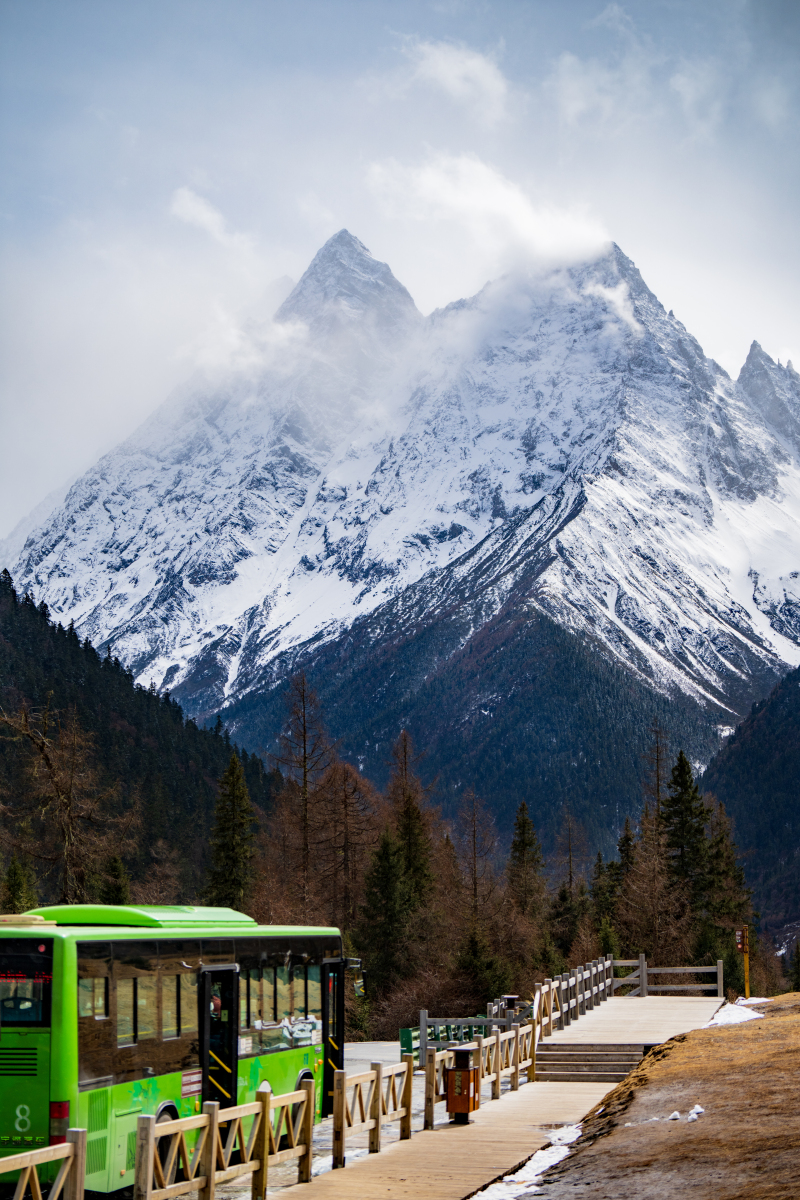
26,981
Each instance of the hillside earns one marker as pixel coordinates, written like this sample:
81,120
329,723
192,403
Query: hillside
757,777
142,740
523,526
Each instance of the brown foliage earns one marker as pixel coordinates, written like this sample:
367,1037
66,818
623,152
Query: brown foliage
67,819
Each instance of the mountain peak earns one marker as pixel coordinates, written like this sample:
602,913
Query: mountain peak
343,282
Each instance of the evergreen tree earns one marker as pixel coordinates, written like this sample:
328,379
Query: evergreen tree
627,849
525,863
727,899
489,976
406,794
19,887
230,878
115,884
384,917
794,968
684,816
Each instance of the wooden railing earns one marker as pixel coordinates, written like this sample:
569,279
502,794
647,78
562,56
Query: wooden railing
502,1053
370,1100
562,1000
220,1136
71,1174
639,978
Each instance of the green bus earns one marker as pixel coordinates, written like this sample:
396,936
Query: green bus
111,1011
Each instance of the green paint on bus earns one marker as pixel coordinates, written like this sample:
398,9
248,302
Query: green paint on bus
109,1012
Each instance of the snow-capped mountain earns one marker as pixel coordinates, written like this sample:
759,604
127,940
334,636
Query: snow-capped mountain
558,440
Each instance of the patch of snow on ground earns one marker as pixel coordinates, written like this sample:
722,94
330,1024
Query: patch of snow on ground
731,1014
520,1182
755,1000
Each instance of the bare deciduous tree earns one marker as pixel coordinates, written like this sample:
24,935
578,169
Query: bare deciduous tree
67,820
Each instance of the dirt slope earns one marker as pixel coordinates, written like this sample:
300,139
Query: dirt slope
746,1144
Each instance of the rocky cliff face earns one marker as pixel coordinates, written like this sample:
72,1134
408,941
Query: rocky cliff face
560,440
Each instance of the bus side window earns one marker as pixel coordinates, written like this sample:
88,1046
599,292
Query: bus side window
299,990
146,1007
93,998
169,1006
85,997
284,995
254,984
268,984
314,987
188,993
244,1000
126,1030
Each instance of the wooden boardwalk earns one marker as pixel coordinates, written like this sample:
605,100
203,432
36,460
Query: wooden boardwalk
637,1020
452,1162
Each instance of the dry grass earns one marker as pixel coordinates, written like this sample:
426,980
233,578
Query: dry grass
747,1143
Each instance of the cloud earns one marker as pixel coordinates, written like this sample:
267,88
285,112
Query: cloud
194,210
701,91
619,301
463,74
501,221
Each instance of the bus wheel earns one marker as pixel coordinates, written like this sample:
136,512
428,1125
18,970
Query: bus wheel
295,1107
167,1112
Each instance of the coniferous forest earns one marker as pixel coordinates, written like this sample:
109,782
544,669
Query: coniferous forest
108,793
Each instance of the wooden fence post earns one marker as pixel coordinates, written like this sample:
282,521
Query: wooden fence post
567,1017
145,1150
339,1105
498,1051
642,975
307,1133
720,988
258,1183
479,1041
376,1108
406,1097
208,1158
430,1086
515,1072
611,983
76,1179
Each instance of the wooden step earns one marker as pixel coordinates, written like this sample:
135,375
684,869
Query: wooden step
573,1076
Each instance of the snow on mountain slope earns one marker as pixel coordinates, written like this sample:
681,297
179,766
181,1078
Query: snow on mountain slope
557,437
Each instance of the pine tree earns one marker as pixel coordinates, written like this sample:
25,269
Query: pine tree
525,862
115,884
794,969
384,917
405,794
19,887
684,817
727,899
230,878
489,976
653,914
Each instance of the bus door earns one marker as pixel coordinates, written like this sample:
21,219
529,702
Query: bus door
219,1006
332,1027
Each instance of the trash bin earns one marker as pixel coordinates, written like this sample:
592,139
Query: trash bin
463,1085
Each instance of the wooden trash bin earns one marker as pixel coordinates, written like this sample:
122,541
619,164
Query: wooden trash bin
463,1087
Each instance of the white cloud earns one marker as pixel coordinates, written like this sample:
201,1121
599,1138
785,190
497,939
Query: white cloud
503,224
619,301
700,88
194,210
465,75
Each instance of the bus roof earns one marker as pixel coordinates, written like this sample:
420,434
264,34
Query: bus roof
191,919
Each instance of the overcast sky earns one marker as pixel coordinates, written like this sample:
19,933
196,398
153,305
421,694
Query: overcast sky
166,161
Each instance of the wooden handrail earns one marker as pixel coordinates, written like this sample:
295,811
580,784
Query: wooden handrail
377,1097
71,1176
220,1134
